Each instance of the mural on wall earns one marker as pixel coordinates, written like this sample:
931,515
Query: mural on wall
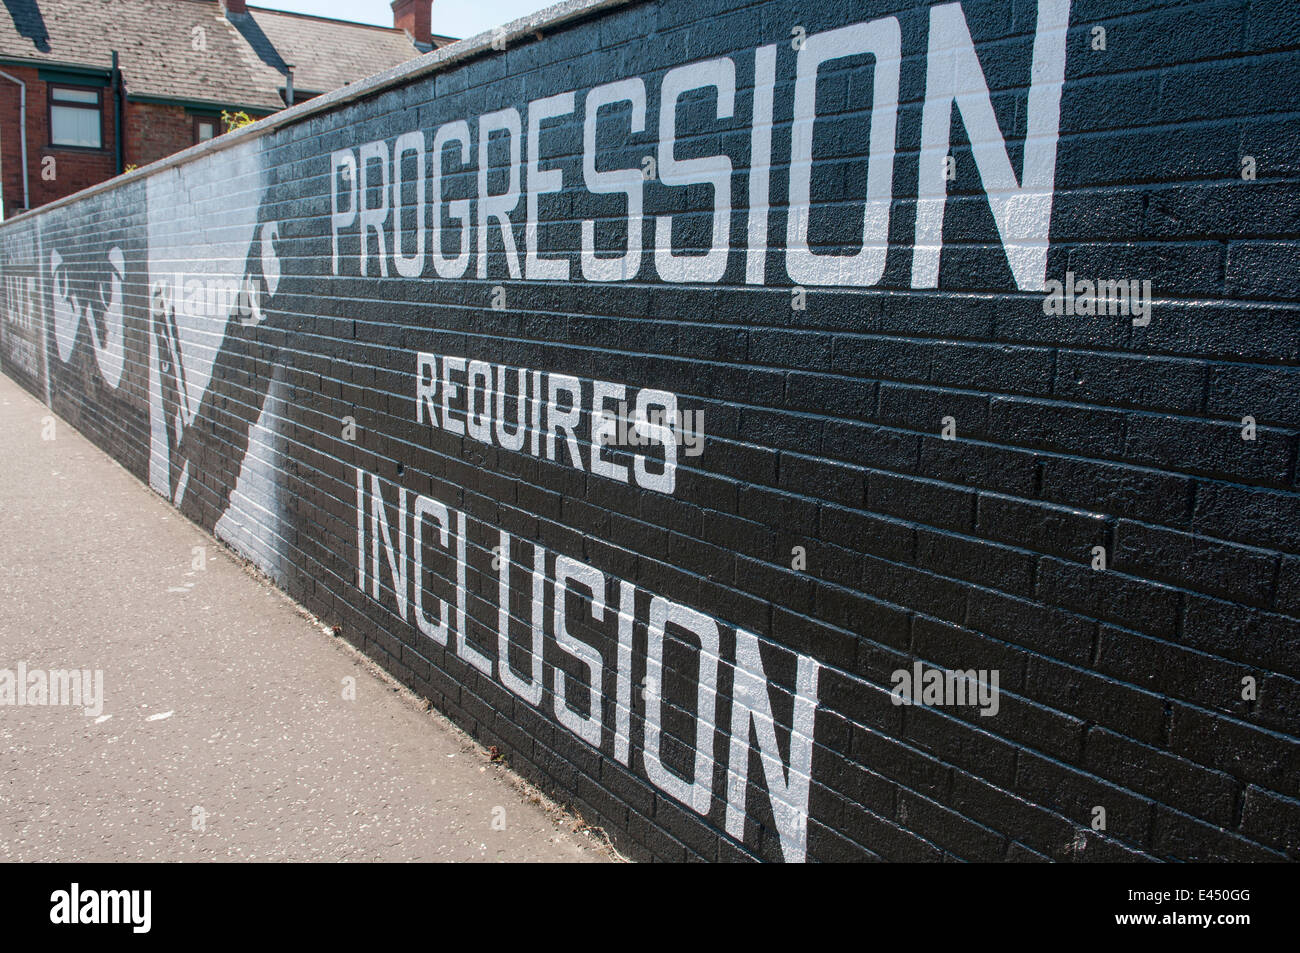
488,379
213,273
23,328
170,298
105,324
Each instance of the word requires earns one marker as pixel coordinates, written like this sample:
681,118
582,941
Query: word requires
548,411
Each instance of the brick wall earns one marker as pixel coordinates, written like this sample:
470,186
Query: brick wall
52,172
917,456
154,131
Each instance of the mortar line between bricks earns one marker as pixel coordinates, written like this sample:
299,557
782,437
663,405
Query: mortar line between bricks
990,294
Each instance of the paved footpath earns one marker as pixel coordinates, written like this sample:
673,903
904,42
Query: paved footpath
224,732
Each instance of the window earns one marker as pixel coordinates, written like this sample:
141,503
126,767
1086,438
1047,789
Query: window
205,128
75,117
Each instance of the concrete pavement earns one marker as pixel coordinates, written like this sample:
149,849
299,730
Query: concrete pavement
223,732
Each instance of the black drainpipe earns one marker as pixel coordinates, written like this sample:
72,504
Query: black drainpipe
119,142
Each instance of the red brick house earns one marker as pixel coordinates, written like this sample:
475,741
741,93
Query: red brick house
89,88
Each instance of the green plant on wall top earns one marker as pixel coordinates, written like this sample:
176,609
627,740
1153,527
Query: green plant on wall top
236,120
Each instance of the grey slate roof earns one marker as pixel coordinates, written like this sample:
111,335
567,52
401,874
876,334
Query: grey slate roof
242,62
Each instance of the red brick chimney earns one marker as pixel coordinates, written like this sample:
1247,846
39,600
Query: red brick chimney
415,17
234,6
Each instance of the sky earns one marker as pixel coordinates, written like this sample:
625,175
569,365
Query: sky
458,18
